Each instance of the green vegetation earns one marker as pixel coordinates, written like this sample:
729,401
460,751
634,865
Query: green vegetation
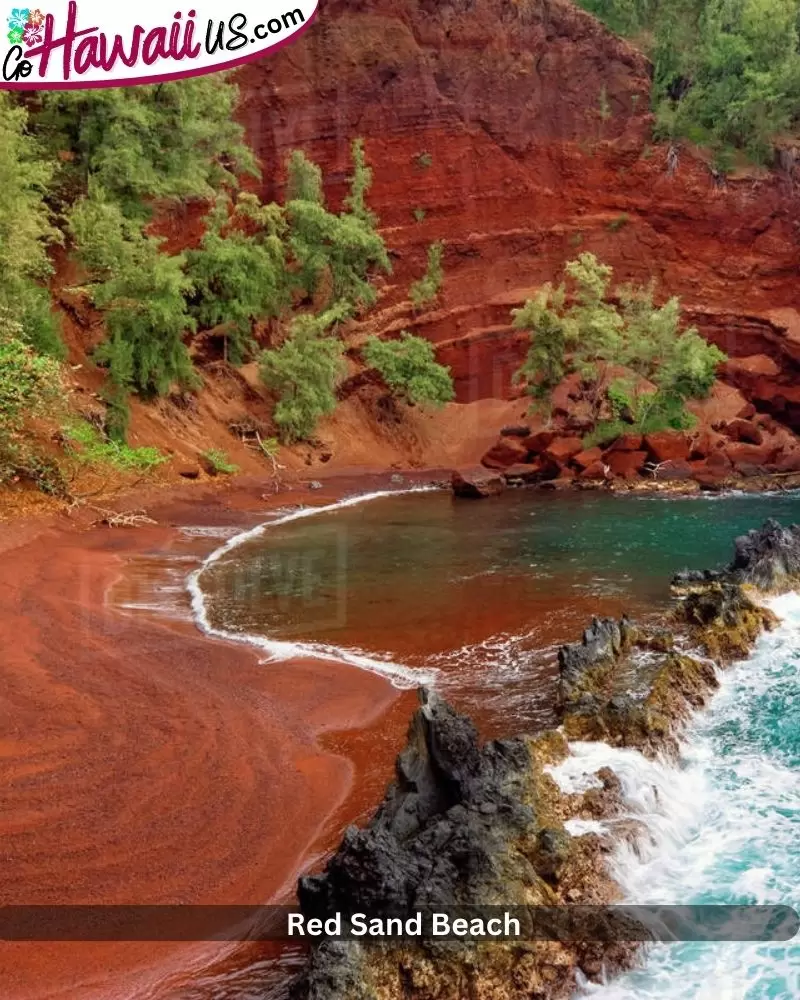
89,446
426,290
30,386
134,146
304,372
726,72
619,223
424,160
237,276
419,214
409,368
142,293
593,336
218,462
26,231
92,169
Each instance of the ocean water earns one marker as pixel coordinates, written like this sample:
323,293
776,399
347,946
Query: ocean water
724,827
475,598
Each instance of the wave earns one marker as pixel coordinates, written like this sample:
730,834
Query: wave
400,675
723,826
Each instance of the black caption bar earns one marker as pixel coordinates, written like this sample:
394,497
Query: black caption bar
603,924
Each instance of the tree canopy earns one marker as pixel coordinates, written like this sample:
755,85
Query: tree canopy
726,72
579,327
410,369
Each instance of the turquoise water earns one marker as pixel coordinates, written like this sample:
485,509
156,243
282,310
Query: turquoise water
479,595
725,828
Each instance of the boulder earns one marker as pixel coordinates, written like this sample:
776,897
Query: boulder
565,394
747,412
626,464
750,459
788,461
537,443
561,450
768,557
723,404
530,472
596,471
507,451
189,471
742,371
628,442
516,430
744,430
705,443
477,483
668,446
589,457
674,470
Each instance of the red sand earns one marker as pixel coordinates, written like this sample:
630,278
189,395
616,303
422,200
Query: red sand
141,762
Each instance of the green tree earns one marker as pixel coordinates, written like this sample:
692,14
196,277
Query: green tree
726,73
26,231
429,285
593,336
360,184
143,295
30,385
239,273
409,368
136,145
303,179
304,372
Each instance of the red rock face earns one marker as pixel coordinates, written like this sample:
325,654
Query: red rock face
667,446
482,123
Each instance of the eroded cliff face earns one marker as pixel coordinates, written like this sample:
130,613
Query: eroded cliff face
519,133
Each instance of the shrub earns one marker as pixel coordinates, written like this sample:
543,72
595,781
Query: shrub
218,462
424,160
360,183
26,231
132,145
30,385
726,73
427,288
237,277
142,292
87,444
592,335
409,368
304,372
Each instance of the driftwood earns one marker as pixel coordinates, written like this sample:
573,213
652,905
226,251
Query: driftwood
122,518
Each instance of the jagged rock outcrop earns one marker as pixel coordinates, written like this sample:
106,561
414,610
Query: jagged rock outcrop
472,823
463,823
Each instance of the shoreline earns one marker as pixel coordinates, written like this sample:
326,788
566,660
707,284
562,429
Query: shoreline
291,737
142,761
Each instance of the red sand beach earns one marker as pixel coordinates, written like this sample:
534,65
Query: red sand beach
142,762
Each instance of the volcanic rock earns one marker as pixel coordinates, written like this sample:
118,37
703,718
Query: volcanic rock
668,446
507,451
476,483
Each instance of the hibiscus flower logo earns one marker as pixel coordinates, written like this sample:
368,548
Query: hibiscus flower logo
25,25
32,34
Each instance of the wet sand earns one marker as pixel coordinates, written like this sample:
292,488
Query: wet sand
142,762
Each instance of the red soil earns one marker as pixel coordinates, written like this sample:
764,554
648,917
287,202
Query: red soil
142,762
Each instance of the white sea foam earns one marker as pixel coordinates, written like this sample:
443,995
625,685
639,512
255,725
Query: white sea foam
724,827
399,675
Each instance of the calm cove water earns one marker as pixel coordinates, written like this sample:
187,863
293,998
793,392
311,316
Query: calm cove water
476,597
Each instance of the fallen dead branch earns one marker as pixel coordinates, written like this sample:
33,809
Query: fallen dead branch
122,518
